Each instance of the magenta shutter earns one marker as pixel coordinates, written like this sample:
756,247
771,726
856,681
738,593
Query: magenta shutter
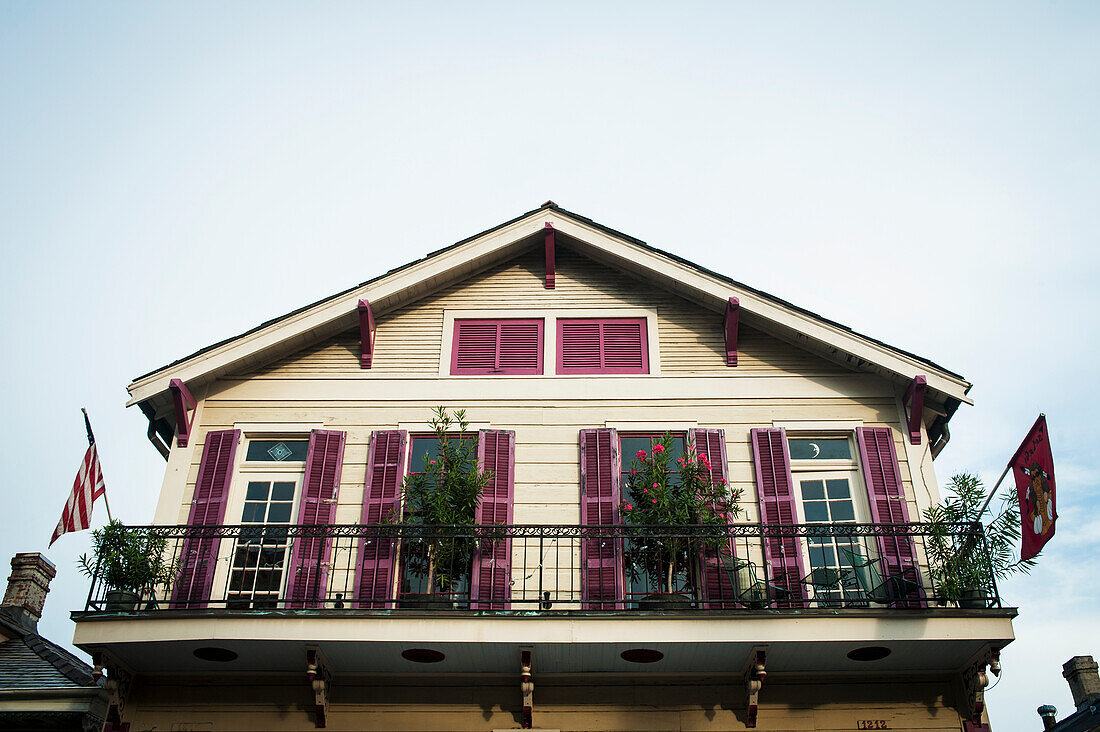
601,556
716,588
377,561
198,558
497,347
775,489
491,577
602,346
307,577
886,495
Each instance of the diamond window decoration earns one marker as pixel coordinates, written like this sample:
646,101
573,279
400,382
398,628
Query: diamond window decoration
279,451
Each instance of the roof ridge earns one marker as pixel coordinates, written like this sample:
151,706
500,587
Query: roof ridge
67,664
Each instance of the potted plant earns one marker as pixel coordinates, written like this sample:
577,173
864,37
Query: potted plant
445,493
963,563
127,563
662,493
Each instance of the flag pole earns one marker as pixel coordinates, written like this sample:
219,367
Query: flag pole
91,441
1001,479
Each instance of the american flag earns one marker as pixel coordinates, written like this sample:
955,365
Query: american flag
88,486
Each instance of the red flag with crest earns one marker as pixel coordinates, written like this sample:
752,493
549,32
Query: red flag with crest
1033,468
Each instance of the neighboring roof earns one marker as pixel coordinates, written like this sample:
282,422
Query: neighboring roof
948,382
29,661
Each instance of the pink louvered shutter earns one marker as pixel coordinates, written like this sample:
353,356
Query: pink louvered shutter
775,489
198,557
307,577
886,494
497,347
491,575
377,562
601,554
606,346
716,588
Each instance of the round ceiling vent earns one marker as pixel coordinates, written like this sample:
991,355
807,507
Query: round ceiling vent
869,653
422,655
641,655
215,654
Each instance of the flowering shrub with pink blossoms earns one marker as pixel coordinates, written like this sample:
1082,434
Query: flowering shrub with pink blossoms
661,493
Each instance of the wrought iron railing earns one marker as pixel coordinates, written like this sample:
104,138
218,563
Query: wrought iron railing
547,568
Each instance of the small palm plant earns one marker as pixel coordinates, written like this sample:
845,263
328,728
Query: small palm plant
663,493
962,561
445,493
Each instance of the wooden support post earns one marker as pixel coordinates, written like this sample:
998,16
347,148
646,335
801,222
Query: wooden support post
182,401
914,404
732,310
549,228
527,687
366,335
320,677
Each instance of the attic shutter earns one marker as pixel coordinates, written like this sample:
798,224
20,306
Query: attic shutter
199,556
307,577
610,345
491,577
601,555
497,347
377,561
774,484
716,587
886,495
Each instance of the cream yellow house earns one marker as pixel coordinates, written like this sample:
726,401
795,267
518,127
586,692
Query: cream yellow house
570,346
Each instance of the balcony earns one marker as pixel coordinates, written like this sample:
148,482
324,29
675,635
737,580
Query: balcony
580,595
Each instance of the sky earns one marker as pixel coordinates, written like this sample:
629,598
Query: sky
172,174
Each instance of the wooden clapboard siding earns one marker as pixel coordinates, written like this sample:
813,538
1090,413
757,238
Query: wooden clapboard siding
409,340
589,702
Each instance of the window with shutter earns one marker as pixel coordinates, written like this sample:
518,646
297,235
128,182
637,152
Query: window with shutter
602,346
497,347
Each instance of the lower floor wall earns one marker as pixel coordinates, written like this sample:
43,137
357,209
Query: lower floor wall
567,703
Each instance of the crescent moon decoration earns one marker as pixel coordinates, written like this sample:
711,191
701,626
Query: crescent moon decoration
816,450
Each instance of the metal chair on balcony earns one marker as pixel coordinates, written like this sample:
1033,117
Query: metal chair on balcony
873,584
829,585
750,590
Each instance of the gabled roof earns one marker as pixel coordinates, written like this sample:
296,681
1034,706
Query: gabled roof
282,335
29,661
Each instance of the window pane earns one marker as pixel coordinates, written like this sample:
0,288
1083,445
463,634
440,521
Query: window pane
816,511
429,445
254,513
812,489
843,511
257,491
277,451
838,488
832,448
279,513
282,492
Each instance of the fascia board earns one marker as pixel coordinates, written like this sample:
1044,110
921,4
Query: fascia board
661,267
658,266
286,330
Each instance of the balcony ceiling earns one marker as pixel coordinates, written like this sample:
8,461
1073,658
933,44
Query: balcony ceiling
358,642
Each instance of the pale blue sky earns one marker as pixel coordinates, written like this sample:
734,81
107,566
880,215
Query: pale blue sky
174,173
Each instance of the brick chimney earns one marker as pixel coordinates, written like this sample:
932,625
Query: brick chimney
27,587
1084,682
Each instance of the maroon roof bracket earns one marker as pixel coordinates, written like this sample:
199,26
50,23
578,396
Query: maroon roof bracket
182,401
366,334
732,308
549,229
914,407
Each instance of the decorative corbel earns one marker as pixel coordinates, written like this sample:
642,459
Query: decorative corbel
755,673
182,401
320,677
975,679
366,335
732,309
118,682
527,686
549,238
914,406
